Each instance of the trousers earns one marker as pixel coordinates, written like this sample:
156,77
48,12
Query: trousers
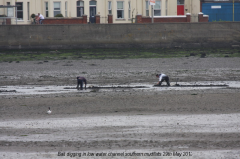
165,79
80,82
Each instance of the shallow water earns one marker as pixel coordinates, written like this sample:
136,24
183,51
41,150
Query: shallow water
53,89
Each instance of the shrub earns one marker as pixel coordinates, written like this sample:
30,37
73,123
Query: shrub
59,15
33,16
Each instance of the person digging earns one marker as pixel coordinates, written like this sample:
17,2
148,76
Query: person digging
80,81
162,77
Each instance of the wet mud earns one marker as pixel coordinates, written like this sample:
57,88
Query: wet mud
121,111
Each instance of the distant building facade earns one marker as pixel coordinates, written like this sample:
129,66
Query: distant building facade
122,11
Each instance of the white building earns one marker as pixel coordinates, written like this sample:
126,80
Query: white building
122,10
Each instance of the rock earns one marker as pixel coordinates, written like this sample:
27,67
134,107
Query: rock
203,55
192,54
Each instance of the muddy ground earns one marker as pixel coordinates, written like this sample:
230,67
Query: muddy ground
158,123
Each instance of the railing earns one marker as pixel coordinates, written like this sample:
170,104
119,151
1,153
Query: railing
6,20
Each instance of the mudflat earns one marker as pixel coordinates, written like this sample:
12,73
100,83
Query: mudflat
121,123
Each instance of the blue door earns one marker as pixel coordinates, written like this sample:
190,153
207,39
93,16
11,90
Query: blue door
221,11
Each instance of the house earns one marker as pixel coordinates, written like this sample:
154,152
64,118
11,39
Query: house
122,11
221,10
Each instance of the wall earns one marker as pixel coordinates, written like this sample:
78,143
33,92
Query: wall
202,18
198,35
140,19
80,20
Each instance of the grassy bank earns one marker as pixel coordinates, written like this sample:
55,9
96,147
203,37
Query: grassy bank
76,54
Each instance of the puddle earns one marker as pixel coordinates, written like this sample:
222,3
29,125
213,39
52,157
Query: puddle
26,90
51,89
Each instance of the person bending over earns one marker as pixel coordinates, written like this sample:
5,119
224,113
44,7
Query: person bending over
80,81
40,18
162,77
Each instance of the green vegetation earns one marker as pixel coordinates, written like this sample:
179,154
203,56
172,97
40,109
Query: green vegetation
77,54
32,16
220,20
59,15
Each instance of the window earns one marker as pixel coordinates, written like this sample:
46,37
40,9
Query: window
92,3
66,9
57,8
19,10
46,9
109,7
129,10
147,8
180,2
80,8
120,10
157,8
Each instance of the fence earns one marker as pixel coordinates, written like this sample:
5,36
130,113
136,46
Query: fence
222,11
221,17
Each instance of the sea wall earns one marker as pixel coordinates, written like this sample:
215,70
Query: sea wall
167,35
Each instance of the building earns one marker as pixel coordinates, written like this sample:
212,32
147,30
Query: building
123,11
